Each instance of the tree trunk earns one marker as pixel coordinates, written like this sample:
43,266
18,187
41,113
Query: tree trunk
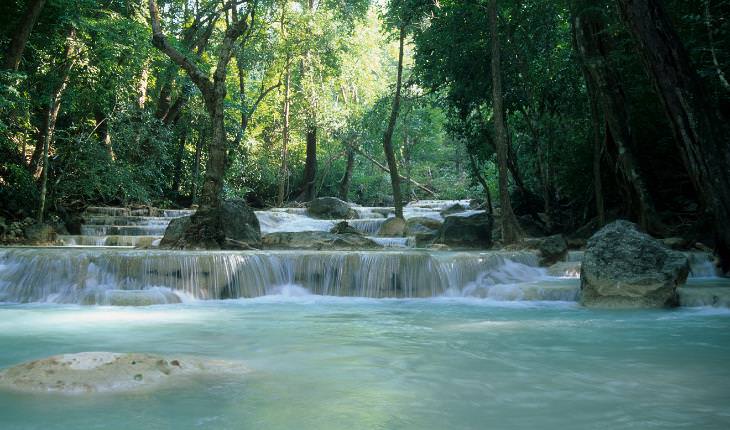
214,94
177,173
102,131
386,170
53,108
699,130
196,165
482,181
388,137
597,156
510,228
284,169
21,34
310,165
142,86
347,176
595,50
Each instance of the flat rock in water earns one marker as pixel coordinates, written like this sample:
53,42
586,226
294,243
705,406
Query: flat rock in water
108,372
317,240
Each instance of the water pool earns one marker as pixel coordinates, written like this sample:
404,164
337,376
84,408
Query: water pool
348,363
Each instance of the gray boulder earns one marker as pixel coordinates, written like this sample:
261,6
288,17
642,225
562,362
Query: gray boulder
330,208
552,249
233,225
317,240
393,227
472,230
625,268
422,225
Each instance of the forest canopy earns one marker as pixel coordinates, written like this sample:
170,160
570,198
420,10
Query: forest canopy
559,113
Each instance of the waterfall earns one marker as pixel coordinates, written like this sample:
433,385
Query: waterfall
73,275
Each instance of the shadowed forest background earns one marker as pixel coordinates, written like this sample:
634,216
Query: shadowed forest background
325,98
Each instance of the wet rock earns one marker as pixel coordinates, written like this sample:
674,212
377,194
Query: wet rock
149,297
40,234
317,240
343,227
677,243
565,269
109,372
330,208
552,249
232,226
393,227
625,268
418,225
455,208
472,230
704,295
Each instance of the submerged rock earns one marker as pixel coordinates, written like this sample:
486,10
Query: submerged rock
623,267
108,372
330,208
552,249
232,226
472,230
393,227
317,240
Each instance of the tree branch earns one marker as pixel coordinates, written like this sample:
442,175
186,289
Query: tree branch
159,40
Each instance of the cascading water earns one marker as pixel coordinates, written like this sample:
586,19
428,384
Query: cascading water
80,275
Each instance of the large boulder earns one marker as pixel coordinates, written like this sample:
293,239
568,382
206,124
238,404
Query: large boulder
552,249
471,230
40,234
109,372
233,225
330,208
625,268
317,240
393,227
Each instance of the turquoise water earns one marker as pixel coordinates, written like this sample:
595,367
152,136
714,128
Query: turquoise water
347,363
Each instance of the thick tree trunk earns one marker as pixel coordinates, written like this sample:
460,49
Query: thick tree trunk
347,176
53,108
595,50
699,130
388,137
597,156
214,94
510,228
21,34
